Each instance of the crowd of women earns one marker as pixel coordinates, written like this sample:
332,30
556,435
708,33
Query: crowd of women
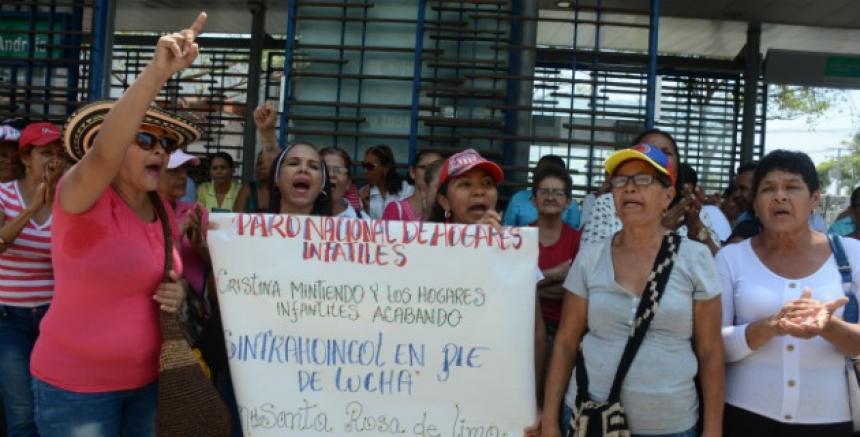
648,298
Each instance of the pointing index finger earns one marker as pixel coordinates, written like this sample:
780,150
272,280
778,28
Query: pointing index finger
197,27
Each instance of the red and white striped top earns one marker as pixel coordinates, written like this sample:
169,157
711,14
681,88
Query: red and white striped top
26,275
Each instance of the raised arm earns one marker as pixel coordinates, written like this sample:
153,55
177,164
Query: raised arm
265,117
90,177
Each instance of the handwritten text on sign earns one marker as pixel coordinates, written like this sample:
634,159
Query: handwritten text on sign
369,328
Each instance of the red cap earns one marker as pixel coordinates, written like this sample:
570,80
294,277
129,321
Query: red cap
466,160
39,134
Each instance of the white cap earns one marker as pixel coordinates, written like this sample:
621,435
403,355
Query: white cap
9,133
179,157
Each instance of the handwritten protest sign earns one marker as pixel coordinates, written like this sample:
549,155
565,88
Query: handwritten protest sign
370,328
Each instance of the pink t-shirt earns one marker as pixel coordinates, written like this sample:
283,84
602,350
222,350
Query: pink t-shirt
400,210
102,331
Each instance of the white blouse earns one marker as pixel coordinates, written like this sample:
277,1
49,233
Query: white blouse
788,379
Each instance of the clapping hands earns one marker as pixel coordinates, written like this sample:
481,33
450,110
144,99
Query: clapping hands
806,317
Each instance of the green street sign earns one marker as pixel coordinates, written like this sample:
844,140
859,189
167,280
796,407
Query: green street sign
842,66
17,44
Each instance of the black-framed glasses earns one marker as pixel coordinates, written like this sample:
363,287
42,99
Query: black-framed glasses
640,180
550,192
147,141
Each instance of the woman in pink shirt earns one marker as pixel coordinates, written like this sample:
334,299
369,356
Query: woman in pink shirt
95,364
414,207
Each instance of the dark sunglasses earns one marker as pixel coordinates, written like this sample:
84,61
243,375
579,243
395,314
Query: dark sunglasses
147,141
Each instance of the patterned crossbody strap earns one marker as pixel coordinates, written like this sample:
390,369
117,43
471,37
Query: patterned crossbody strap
850,312
654,288
648,303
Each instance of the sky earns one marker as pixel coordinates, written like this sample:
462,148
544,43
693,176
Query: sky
822,139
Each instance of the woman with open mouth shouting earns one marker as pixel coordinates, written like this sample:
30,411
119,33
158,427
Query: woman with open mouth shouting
301,182
467,194
95,365
640,321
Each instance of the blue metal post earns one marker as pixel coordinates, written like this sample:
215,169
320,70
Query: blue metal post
101,12
416,80
292,9
595,72
651,92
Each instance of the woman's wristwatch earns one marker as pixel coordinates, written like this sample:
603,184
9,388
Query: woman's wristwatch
703,234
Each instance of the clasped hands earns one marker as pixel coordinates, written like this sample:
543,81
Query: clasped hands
805,317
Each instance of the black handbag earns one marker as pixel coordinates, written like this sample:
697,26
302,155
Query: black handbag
607,419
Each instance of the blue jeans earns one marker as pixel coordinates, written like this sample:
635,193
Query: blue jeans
19,328
126,413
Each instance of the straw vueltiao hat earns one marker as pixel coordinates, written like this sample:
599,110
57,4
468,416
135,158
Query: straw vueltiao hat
82,126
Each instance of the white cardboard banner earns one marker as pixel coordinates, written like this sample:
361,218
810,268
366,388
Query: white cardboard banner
343,327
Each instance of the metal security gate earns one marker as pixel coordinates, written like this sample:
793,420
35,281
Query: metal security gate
44,58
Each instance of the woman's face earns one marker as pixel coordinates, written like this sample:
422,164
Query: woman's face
663,143
9,167
142,169
417,171
173,183
640,205
551,197
783,202
220,171
338,176
470,196
35,159
373,170
300,179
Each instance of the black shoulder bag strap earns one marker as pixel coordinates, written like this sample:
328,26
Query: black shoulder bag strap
648,303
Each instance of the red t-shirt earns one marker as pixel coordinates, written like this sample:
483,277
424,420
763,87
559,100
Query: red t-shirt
564,250
102,333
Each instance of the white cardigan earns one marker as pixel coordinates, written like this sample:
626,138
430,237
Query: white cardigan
788,379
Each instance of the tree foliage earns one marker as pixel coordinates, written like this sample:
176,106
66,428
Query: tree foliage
789,102
845,169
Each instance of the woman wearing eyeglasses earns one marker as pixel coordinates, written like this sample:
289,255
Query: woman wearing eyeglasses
414,207
340,176
559,243
95,364
384,184
605,284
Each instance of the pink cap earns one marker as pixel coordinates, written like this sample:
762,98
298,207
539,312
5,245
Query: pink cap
466,160
179,158
39,134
